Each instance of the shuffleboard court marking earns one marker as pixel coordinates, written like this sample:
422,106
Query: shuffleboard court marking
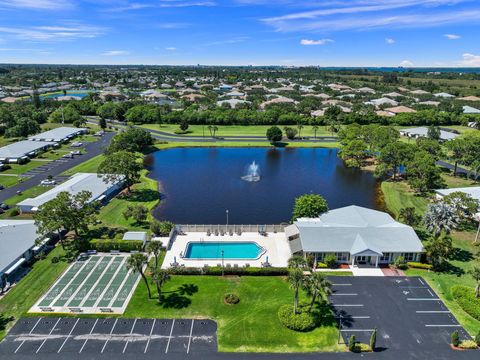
91,332
348,305
190,337
423,299
46,338
170,336
111,332
346,294
149,336
68,336
131,332
432,312
443,325
30,333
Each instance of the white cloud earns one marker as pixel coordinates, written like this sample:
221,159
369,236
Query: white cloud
115,53
234,40
53,33
470,60
37,4
390,41
406,63
316,42
171,48
452,36
181,3
173,25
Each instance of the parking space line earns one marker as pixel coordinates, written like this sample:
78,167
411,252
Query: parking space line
131,331
149,336
356,330
353,317
421,281
190,337
413,287
432,312
431,294
341,284
91,331
422,299
111,332
46,338
30,333
68,336
170,336
352,294
351,305
446,325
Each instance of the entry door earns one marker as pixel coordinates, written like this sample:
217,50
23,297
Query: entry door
362,259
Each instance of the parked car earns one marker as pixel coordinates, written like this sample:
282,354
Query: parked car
76,152
68,156
76,144
47,182
2,187
4,206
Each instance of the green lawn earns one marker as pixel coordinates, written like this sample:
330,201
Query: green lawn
23,168
144,193
89,166
442,282
398,195
8,181
250,326
184,144
32,192
233,130
22,297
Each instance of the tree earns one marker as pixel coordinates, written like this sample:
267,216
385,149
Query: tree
438,251
354,153
439,218
433,132
65,115
465,206
136,263
159,278
315,129
373,340
309,206
121,166
315,285
391,157
155,247
296,280
300,127
183,125
161,228
475,272
455,337
139,213
132,140
23,128
71,212
456,148
422,173
290,132
409,216
431,146
352,343
297,262
102,123
274,134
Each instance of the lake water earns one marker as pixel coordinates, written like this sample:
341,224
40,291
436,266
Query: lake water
198,185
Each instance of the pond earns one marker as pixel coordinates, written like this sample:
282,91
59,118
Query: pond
199,185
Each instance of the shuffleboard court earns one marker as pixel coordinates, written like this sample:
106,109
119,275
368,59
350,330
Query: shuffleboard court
99,284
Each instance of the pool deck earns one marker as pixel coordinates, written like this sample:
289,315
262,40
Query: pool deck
275,244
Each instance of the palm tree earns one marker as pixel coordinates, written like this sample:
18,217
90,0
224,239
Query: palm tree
315,129
297,262
315,284
210,128
475,272
155,247
159,278
440,217
136,262
299,127
296,280
214,129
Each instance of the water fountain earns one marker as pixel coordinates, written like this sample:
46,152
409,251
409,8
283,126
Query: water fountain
252,173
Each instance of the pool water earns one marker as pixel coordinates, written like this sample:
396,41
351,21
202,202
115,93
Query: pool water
231,250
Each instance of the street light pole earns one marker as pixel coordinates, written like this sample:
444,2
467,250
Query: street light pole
226,211
222,262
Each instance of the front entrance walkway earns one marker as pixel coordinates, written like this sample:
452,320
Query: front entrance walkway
366,271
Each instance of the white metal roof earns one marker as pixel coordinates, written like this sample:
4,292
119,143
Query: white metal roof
57,134
16,237
21,148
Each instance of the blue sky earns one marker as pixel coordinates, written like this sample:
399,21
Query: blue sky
242,32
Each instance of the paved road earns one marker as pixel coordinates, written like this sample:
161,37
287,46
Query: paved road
56,168
161,135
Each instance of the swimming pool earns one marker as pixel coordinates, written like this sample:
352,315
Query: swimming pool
231,250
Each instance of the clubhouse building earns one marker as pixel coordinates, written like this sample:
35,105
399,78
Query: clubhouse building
356,236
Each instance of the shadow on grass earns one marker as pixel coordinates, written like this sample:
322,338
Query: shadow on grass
143,195
4,320
179,298
461,255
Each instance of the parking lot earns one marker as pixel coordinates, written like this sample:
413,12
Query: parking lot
92,337
406,312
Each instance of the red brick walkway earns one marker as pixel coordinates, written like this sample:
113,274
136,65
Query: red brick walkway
392,272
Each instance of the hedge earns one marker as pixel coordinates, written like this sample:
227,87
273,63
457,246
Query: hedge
465,297
302,321
321,265
217,271
121,245
417,265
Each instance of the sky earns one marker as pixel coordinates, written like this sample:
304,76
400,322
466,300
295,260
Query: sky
409,33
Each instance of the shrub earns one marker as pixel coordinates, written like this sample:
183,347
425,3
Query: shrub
161,228
477,338
361,347
14,212
455,338
400,263
321,265
417,265
274,134
232,299
465,297
330,260
373,340
351,343
468,344
217,271
302,321
121,245
55,260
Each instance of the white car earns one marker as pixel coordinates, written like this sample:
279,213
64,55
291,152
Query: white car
77,152
68,156
47,182
76,144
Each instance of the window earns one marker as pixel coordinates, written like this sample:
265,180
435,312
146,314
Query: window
386,257
409,256
341,256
